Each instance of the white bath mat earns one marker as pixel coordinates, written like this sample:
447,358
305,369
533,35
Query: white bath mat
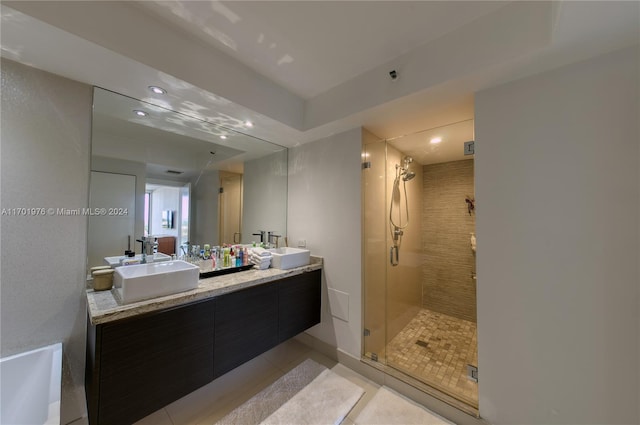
325,401
267,401
390,408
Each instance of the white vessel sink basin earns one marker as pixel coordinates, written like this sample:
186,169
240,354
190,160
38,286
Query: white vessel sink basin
115,261
288,258
144,281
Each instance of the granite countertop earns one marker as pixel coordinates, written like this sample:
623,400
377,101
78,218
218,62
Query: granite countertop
105,306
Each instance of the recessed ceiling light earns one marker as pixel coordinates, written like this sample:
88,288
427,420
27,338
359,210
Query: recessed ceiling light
157,90
248,124
223,137
140,113
436,140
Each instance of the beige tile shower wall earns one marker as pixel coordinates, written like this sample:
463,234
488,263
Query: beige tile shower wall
404,289
449,261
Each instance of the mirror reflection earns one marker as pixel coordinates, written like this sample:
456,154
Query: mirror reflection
176,179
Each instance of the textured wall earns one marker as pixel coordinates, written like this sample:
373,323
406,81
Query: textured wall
46,133
447,226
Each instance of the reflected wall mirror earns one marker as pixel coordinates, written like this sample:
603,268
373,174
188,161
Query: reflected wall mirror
219,185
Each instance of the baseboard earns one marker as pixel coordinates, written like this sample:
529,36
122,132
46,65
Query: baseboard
434,400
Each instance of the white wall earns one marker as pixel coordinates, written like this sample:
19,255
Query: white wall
558,206
46,133
324,208
264,203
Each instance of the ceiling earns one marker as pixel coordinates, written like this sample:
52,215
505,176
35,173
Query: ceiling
310,47
305,70
436,145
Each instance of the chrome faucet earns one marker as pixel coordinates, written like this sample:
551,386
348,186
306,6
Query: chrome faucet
262,234
148,247
270,237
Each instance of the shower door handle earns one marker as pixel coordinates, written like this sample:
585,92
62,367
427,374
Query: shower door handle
397,256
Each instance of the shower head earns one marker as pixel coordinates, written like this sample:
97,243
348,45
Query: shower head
408,175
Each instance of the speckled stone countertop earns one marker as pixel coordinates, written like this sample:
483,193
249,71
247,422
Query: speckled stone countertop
105,306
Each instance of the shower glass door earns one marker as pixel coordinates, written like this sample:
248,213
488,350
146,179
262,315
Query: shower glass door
374,251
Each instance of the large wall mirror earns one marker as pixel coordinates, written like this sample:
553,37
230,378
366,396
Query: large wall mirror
159,173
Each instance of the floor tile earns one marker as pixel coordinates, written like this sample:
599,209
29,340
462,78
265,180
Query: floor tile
286,353
435,348
313,355
197,405
80,421
160,417
369,387
235,397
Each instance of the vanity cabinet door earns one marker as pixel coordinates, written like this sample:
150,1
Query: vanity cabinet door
299,304
150,361
246,325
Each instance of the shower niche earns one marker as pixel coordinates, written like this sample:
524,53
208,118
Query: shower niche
419,265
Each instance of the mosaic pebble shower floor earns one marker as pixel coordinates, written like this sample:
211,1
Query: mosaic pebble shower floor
436,348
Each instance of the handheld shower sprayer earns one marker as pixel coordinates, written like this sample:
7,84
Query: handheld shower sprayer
397,229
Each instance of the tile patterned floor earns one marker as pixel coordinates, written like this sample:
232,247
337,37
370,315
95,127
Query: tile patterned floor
436,348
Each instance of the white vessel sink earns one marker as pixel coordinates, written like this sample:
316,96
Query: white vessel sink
288,258
115,261
144,281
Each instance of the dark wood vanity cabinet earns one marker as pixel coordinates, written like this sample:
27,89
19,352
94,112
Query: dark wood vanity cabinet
299,304
144,362
138,365
246,325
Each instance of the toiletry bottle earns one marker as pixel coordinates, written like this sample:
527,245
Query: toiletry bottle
213,258
207,251
245,257
227,258
239,256
232,255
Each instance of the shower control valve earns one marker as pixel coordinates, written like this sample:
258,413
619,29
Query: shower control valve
397,233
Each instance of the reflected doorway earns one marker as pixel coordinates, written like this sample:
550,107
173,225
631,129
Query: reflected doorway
163,201
230,208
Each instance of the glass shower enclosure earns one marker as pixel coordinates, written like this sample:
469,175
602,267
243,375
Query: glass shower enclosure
419,260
